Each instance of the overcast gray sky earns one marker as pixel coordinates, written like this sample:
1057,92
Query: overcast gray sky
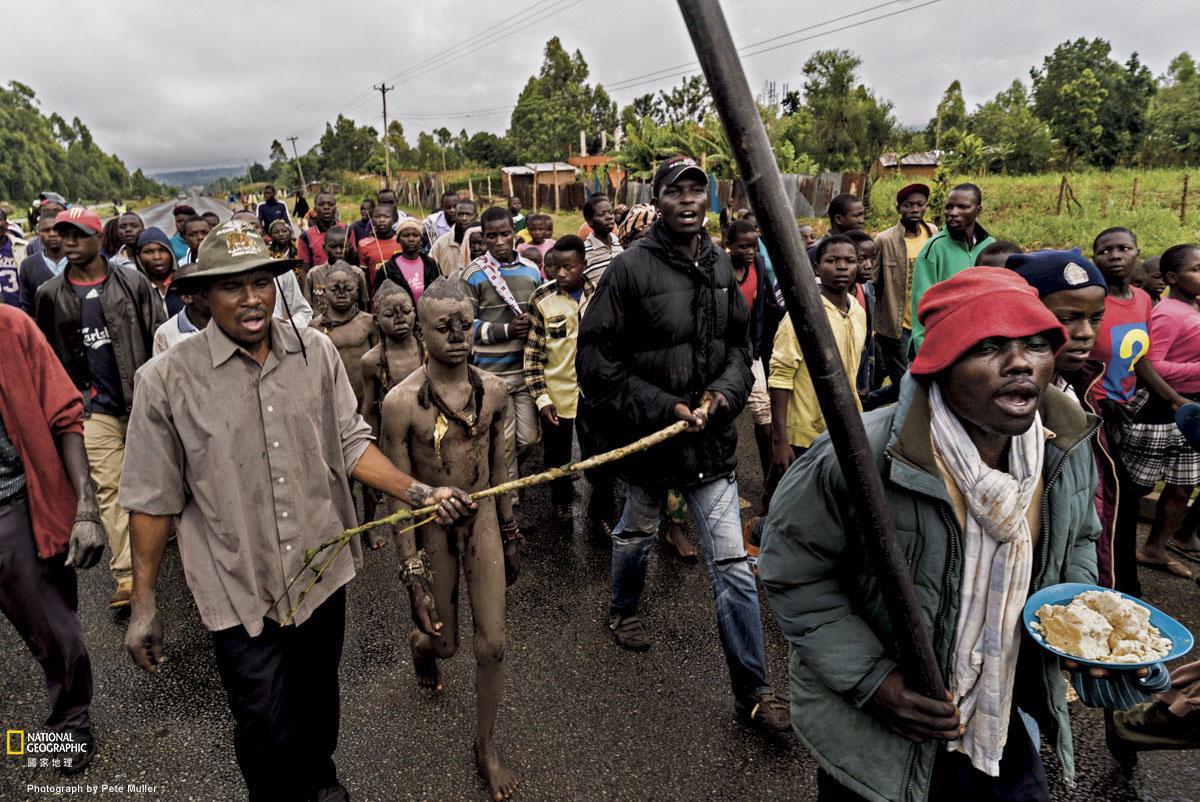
180,85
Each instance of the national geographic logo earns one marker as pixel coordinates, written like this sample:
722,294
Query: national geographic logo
19,743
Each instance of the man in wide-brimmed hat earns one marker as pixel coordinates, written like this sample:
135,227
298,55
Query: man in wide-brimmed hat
247,434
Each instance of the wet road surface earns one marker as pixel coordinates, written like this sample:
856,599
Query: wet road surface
581,719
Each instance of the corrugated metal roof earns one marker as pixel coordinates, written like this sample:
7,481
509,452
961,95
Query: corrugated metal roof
551,167
929,158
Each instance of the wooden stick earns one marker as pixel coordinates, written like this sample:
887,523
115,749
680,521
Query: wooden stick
1133,198
756,164
428,513
1062,189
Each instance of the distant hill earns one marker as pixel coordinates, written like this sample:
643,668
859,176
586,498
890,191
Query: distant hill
197,178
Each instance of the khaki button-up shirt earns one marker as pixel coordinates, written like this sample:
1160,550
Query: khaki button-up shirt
254,462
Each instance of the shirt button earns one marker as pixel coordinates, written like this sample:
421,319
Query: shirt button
275,444
283,514
270,409
288,547
280,480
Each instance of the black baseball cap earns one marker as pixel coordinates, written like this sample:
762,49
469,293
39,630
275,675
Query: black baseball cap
676,168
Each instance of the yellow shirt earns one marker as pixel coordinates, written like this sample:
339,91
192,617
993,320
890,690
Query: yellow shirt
550,347
804,419
913,245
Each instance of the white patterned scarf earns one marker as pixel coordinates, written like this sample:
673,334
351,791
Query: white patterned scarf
997,563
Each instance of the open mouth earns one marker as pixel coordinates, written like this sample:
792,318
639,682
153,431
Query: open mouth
254,322
1019,399
688,217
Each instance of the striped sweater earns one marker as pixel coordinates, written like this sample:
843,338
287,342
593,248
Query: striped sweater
493,350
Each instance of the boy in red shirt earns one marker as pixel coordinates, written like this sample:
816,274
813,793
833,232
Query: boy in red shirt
374,251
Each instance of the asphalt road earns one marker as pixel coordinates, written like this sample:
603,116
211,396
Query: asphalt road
582,719
161,216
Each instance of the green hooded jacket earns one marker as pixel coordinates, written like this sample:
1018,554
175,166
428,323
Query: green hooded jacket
942,257
830,605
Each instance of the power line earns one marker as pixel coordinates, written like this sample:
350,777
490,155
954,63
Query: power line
758,48
494,33
684,69
689,66
438,62
746,51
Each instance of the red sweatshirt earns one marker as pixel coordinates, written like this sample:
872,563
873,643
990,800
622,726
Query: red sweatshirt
39,404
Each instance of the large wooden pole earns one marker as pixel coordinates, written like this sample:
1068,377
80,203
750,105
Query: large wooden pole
835,393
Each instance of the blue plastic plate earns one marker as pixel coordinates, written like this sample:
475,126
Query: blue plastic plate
1177,633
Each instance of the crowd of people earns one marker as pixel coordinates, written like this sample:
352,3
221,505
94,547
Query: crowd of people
255,386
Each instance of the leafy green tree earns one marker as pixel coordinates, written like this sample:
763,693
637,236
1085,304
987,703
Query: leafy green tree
1110,133
558,103
39,152
951,113
401,151
486,148
643,107
792,102
1174,116
1019,139
346,146
970,154
1076,120
690,101
850,126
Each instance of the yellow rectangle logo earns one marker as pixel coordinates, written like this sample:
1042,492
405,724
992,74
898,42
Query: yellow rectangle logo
17,737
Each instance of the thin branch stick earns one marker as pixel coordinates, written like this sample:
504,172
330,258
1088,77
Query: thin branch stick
429,513
321,571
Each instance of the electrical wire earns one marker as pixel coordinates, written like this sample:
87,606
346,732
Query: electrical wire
746,51
768,45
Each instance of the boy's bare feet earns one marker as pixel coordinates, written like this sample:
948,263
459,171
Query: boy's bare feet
501,782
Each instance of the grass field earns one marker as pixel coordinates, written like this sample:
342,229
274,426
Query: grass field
1021,208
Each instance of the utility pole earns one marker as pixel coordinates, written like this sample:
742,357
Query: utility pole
296,156
383,89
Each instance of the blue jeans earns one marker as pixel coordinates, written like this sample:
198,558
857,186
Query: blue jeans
714,509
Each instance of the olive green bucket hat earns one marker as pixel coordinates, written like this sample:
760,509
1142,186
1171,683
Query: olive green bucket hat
232,248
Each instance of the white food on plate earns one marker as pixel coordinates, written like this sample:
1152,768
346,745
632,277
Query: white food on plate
1103,626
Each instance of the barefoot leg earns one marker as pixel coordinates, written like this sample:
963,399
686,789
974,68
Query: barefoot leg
1172,505
483,565
426,650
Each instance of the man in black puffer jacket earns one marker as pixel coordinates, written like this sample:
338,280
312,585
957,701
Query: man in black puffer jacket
665,339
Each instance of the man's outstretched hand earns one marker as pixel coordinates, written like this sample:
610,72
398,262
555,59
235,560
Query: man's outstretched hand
911,715
453,504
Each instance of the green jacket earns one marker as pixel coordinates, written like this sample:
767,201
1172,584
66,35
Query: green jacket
942,257
830,606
